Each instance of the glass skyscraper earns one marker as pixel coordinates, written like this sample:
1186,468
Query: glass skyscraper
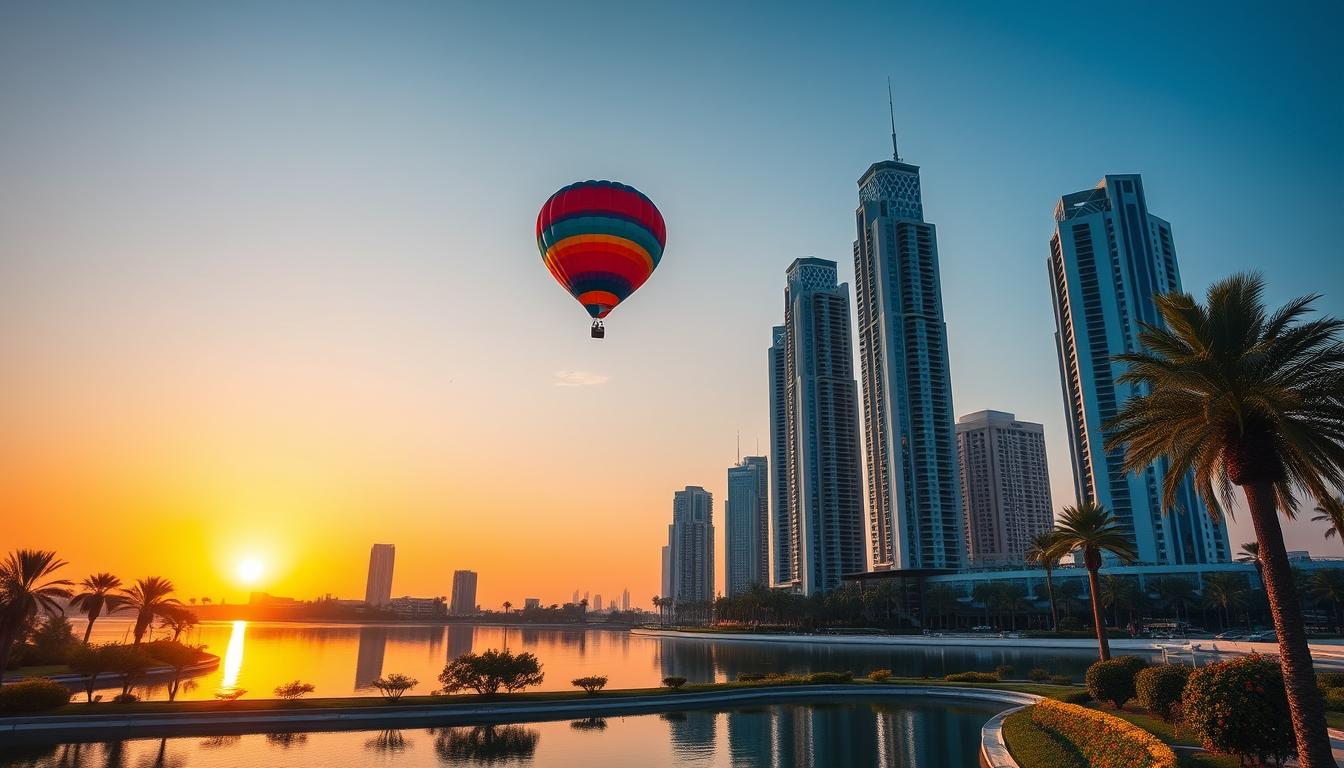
690,546
1108,257
824,536
781,539
914,491
746,517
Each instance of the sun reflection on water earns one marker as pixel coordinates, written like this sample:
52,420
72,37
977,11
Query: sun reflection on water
233,657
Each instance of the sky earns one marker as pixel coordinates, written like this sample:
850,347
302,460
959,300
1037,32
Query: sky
269,286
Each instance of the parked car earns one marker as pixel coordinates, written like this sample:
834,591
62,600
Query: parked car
1263,637
982,628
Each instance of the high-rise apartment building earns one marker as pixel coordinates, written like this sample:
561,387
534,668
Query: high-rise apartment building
464,593
1108,257
378,588
825,497
914,502
625,599
1005,485
781,536
746,519
690,540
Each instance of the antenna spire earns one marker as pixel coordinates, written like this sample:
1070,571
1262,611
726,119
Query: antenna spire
891,109
739,446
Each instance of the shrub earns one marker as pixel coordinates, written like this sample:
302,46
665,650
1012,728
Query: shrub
971,677
90,661
130,663
1070,624
1061,680
36,695
1080,696
1330,679
1104,740
880,675
1158,689
486,673
674,682
590,684
750,677
1222,699
830,677
294,690
394,685
1334,699
1113,680
223,694
1038,675
127,698
1003,671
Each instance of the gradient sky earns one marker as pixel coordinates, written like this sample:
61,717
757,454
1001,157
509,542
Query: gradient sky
268,282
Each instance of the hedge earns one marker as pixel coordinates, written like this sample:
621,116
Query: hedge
971,677
36,695
1105,740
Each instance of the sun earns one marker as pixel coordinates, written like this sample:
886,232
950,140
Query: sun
250,570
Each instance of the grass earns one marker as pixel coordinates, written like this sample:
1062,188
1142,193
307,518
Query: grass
80,709
1034,747
1037,752
41,670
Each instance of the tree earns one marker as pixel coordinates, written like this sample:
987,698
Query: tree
27,587
983,593
179,619
590,684
1247,398
1330,511
131,663
1174,592
507,605
486,673
1091,528
294,690
90,661
1250,553
1328,587
941,600
394,685
1038,553
176,657
1120,593
149,598
1226,592
96,598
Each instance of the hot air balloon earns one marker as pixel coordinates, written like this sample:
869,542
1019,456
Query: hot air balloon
601,240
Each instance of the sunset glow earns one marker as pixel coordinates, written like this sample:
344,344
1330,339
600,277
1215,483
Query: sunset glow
250,570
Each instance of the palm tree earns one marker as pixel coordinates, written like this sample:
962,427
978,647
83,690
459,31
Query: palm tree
507,606
1328,587
984,593
1242,397
178,618
1119,593
940,600
1090,527
149,598
1330,510
96,598
1250,553
1174,591
1225,591
26,587
1038,553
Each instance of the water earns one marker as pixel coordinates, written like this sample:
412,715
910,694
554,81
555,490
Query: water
892,733
343,659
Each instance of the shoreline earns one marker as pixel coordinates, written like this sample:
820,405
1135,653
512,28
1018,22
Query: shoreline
75,682
316,715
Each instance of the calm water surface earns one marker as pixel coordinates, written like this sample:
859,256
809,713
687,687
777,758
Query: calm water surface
343,659
879,733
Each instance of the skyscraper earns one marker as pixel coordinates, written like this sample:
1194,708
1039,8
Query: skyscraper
597,601
825,504
781,532
746,517
914,499
464,593
690,540
666,589
625,599
1108,257
1005,485
378,588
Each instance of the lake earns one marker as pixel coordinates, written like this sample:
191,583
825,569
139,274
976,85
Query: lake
890,733
344,659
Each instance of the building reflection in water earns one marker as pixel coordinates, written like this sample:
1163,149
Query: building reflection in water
692,736
461,638
369,656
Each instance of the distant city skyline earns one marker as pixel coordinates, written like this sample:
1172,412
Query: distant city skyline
273,300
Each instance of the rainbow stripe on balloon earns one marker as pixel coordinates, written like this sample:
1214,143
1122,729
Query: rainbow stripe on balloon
601,240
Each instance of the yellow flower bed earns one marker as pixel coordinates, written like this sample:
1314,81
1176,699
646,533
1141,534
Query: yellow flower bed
1105,740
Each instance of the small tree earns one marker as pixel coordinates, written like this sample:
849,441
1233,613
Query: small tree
177,657
294,690
394,685
1158,689
1112,680
90,661
486,673
590,684
674,681
1239,707
130,663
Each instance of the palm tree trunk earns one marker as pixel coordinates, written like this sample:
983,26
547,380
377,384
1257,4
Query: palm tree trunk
1093,586
1050,590
1304,698
6,644
89,629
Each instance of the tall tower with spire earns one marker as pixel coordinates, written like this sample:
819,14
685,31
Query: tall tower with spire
914,491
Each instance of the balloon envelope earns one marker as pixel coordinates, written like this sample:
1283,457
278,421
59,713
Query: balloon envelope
601,240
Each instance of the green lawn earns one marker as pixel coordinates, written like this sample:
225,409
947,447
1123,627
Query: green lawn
1034,747
43,670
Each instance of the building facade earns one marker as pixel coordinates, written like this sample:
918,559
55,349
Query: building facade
690,542
1108,257
378,588
464,593
781,529
1005,485
914,492
825,497
746,519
